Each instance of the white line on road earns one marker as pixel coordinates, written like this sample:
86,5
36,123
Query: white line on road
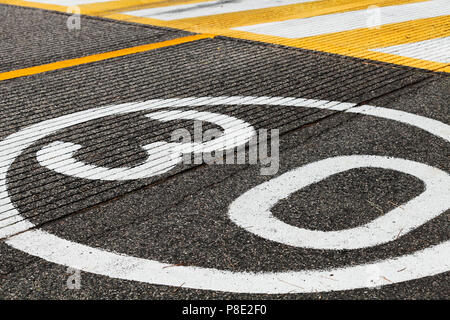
209,8
437,50
69,2
338,22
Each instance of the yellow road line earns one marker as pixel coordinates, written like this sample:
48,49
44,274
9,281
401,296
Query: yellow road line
330,47
354,43
286,12
37,4
310,43
103,8
98,57
444,69
387,35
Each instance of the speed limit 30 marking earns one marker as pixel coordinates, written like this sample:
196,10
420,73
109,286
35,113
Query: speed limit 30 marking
427,262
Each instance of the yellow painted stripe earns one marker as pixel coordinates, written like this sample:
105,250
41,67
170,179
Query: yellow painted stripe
286,12
329,47
444,69
153,22
33,4
98,57
115,16
297,43
357,43
103,8
387,35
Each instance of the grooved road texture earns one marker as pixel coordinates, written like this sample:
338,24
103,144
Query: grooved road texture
35,37
180,217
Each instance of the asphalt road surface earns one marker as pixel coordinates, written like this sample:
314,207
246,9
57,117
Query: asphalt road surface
99,201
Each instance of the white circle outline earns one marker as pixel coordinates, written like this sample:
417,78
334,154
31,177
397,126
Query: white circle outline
427,262
253,207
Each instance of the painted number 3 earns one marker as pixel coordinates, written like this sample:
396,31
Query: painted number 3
252,207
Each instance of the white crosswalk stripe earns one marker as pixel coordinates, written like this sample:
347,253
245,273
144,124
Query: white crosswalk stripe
307,27
437,50
209,8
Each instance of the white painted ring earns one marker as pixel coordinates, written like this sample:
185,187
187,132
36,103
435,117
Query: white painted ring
427,262
252,209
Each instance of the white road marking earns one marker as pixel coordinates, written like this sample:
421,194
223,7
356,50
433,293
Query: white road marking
58,156
434,127
209,8
338,22
7,154
253,207
437,50
427,262
162,156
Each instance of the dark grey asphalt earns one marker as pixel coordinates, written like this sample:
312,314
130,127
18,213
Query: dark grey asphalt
32,37
181,217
